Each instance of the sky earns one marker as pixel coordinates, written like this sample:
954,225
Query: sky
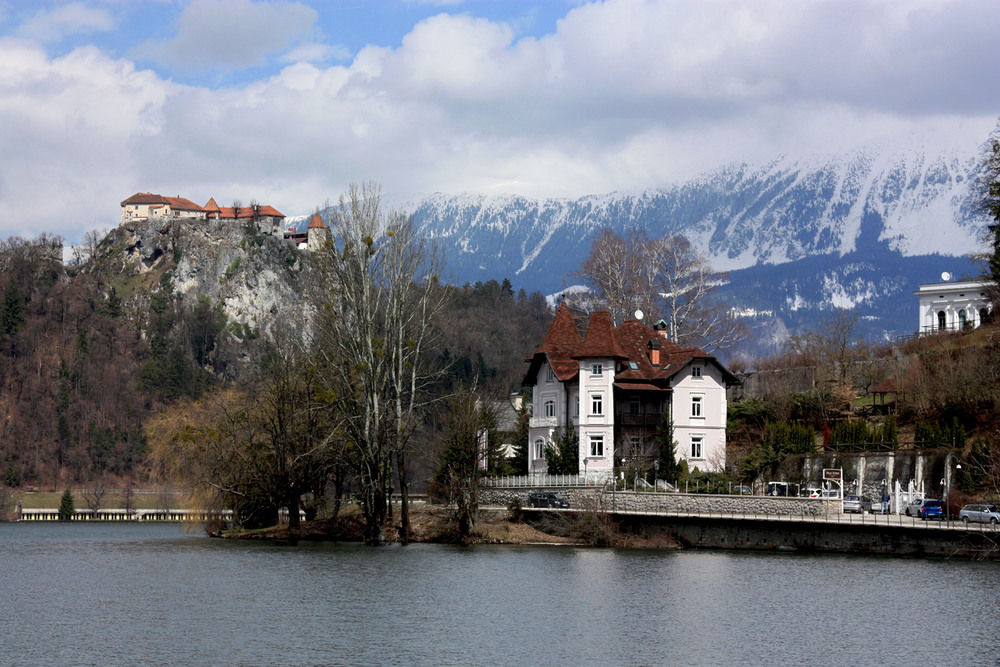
288,102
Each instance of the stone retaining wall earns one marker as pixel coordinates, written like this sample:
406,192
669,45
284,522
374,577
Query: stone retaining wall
630,501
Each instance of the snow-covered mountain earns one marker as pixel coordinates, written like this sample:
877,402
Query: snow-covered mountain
798,235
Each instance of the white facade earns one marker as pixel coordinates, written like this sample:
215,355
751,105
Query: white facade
697,404
596,425
952,306
699,410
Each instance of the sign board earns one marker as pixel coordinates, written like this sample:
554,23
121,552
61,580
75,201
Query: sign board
832,473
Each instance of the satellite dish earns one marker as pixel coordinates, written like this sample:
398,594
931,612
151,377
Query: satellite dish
945,277
638,315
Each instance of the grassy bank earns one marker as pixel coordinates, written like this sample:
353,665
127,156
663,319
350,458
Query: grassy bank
140,500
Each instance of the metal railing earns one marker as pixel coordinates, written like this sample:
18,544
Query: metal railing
524,481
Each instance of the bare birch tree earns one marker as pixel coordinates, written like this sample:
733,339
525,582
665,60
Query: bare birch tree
664,277
373,333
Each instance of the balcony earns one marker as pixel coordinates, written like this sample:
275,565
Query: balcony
543,422
641,420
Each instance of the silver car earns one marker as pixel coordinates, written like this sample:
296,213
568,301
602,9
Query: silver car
980,514
859,504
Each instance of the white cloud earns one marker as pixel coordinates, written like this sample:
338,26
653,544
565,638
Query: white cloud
316,53
624,95
231,34
75,18
70,130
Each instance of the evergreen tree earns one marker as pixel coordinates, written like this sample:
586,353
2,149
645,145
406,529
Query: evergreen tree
564,457
66,508
990,204
10,476
519,462
12,311
670,467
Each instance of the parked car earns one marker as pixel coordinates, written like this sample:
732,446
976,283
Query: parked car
980,514
859,504
926,508
742,490
545,499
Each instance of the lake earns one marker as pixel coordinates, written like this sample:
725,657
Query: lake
154,594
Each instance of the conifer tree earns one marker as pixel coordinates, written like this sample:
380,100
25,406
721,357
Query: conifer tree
670,467
66,508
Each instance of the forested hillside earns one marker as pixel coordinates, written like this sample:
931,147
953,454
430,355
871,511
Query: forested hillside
164,311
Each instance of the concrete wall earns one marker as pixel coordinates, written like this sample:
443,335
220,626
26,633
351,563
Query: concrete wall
808,537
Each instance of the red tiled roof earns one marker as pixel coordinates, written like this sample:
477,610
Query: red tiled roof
211,206
316,222
182,204
558,346
245,212
630,342
270,211
145,198
601,340
176,203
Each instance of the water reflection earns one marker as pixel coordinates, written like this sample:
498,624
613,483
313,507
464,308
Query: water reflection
100,594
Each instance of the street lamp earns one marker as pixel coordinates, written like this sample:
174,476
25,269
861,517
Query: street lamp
656,472
585,478
947,483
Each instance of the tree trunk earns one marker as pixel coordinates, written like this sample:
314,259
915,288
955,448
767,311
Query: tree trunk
374,506
404,498
293,514
338,488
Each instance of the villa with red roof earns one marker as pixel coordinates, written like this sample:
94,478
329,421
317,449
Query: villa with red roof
614,386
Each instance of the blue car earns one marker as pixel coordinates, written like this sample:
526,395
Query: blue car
931,509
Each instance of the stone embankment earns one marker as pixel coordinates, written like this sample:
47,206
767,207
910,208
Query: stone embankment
670,503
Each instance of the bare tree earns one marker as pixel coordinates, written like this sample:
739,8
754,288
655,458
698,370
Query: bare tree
94,496
835,342
664,277
471,419
686,283
613,271
82,252
373,333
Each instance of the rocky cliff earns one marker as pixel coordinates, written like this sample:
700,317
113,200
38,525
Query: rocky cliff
258,279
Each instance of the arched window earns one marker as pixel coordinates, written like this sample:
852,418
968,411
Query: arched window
962,320
539,449
942,323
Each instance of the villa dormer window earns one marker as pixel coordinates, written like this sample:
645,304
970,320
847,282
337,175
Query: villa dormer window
597,369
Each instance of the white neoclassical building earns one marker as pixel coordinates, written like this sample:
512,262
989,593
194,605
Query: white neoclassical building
953,305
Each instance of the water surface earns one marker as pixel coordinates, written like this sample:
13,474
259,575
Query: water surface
117,594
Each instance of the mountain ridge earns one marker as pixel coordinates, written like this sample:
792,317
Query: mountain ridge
875,209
